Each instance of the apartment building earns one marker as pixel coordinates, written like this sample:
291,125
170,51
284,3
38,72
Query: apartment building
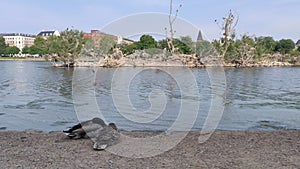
19,40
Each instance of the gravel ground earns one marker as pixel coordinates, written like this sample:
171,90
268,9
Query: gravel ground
225,149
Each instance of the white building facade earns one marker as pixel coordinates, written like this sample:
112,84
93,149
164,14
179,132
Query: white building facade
19,40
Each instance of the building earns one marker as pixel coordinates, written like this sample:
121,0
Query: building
298,43
200,37
98,35
19,40
46,34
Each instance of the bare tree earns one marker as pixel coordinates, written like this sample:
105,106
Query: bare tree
172,19
228,28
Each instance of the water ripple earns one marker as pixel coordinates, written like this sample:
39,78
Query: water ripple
38,96
270,125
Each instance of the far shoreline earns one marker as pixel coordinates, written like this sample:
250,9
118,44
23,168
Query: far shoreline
158,64
22,59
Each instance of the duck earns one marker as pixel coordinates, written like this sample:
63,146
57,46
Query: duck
101,134
106,137
80,130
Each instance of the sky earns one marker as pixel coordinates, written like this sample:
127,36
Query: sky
276,18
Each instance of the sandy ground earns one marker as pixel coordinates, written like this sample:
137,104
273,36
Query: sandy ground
225,149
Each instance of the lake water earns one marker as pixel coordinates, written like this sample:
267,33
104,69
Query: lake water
36,96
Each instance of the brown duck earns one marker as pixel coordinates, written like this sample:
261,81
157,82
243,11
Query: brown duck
101,134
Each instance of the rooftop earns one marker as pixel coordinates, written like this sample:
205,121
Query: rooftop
16,34
47,33
298,43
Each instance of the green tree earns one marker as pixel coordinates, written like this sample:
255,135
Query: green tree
285,46
231,50
147,42
107,44
267,44
298,49
71,42
181,47
12,50
189,42
26,50
129,49
34,50
3,45
163,44
40,46
53,45
204,48
90,49
248,40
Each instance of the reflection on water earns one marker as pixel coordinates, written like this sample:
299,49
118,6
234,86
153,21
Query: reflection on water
35,96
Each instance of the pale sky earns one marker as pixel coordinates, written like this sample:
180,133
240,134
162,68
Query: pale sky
276,18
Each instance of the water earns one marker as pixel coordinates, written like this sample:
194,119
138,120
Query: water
36,96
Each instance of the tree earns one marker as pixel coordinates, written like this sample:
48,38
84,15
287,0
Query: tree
40,46
285,46
90,49
204,48
228,28
71,42
172,20
3,45
181,47
264,45
53,45
189,42
129,49
34,50
12,50
163,44
147,42
267,44
26,50
246,50
298,49
107,44
231,51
